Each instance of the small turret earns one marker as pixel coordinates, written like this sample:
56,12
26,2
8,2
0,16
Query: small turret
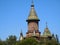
57,39
21,35
46,32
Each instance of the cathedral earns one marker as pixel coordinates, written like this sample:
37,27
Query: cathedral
33,27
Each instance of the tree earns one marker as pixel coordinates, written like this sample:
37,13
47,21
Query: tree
1,42
11,40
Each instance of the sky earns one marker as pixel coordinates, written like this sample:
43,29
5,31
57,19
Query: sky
13,15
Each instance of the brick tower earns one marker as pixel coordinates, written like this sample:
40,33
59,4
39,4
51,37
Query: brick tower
33,23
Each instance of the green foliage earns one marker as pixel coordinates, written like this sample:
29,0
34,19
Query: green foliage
28,41
11,40
1,43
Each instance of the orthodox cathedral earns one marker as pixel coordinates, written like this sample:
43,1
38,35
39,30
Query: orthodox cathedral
33,27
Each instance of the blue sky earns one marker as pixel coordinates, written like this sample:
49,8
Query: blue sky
13,15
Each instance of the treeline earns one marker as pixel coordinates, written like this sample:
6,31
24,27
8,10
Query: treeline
12,40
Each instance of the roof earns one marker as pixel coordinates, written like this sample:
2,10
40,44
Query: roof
46,32
32,14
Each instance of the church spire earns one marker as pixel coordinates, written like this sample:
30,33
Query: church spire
32,14
21,32
21,35
46,32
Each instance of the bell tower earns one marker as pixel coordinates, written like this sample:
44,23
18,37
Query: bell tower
33,23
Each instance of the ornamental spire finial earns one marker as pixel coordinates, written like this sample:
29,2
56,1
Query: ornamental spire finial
32,5
46,25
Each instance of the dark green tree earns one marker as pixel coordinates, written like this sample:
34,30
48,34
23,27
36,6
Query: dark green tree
11,40
1,42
